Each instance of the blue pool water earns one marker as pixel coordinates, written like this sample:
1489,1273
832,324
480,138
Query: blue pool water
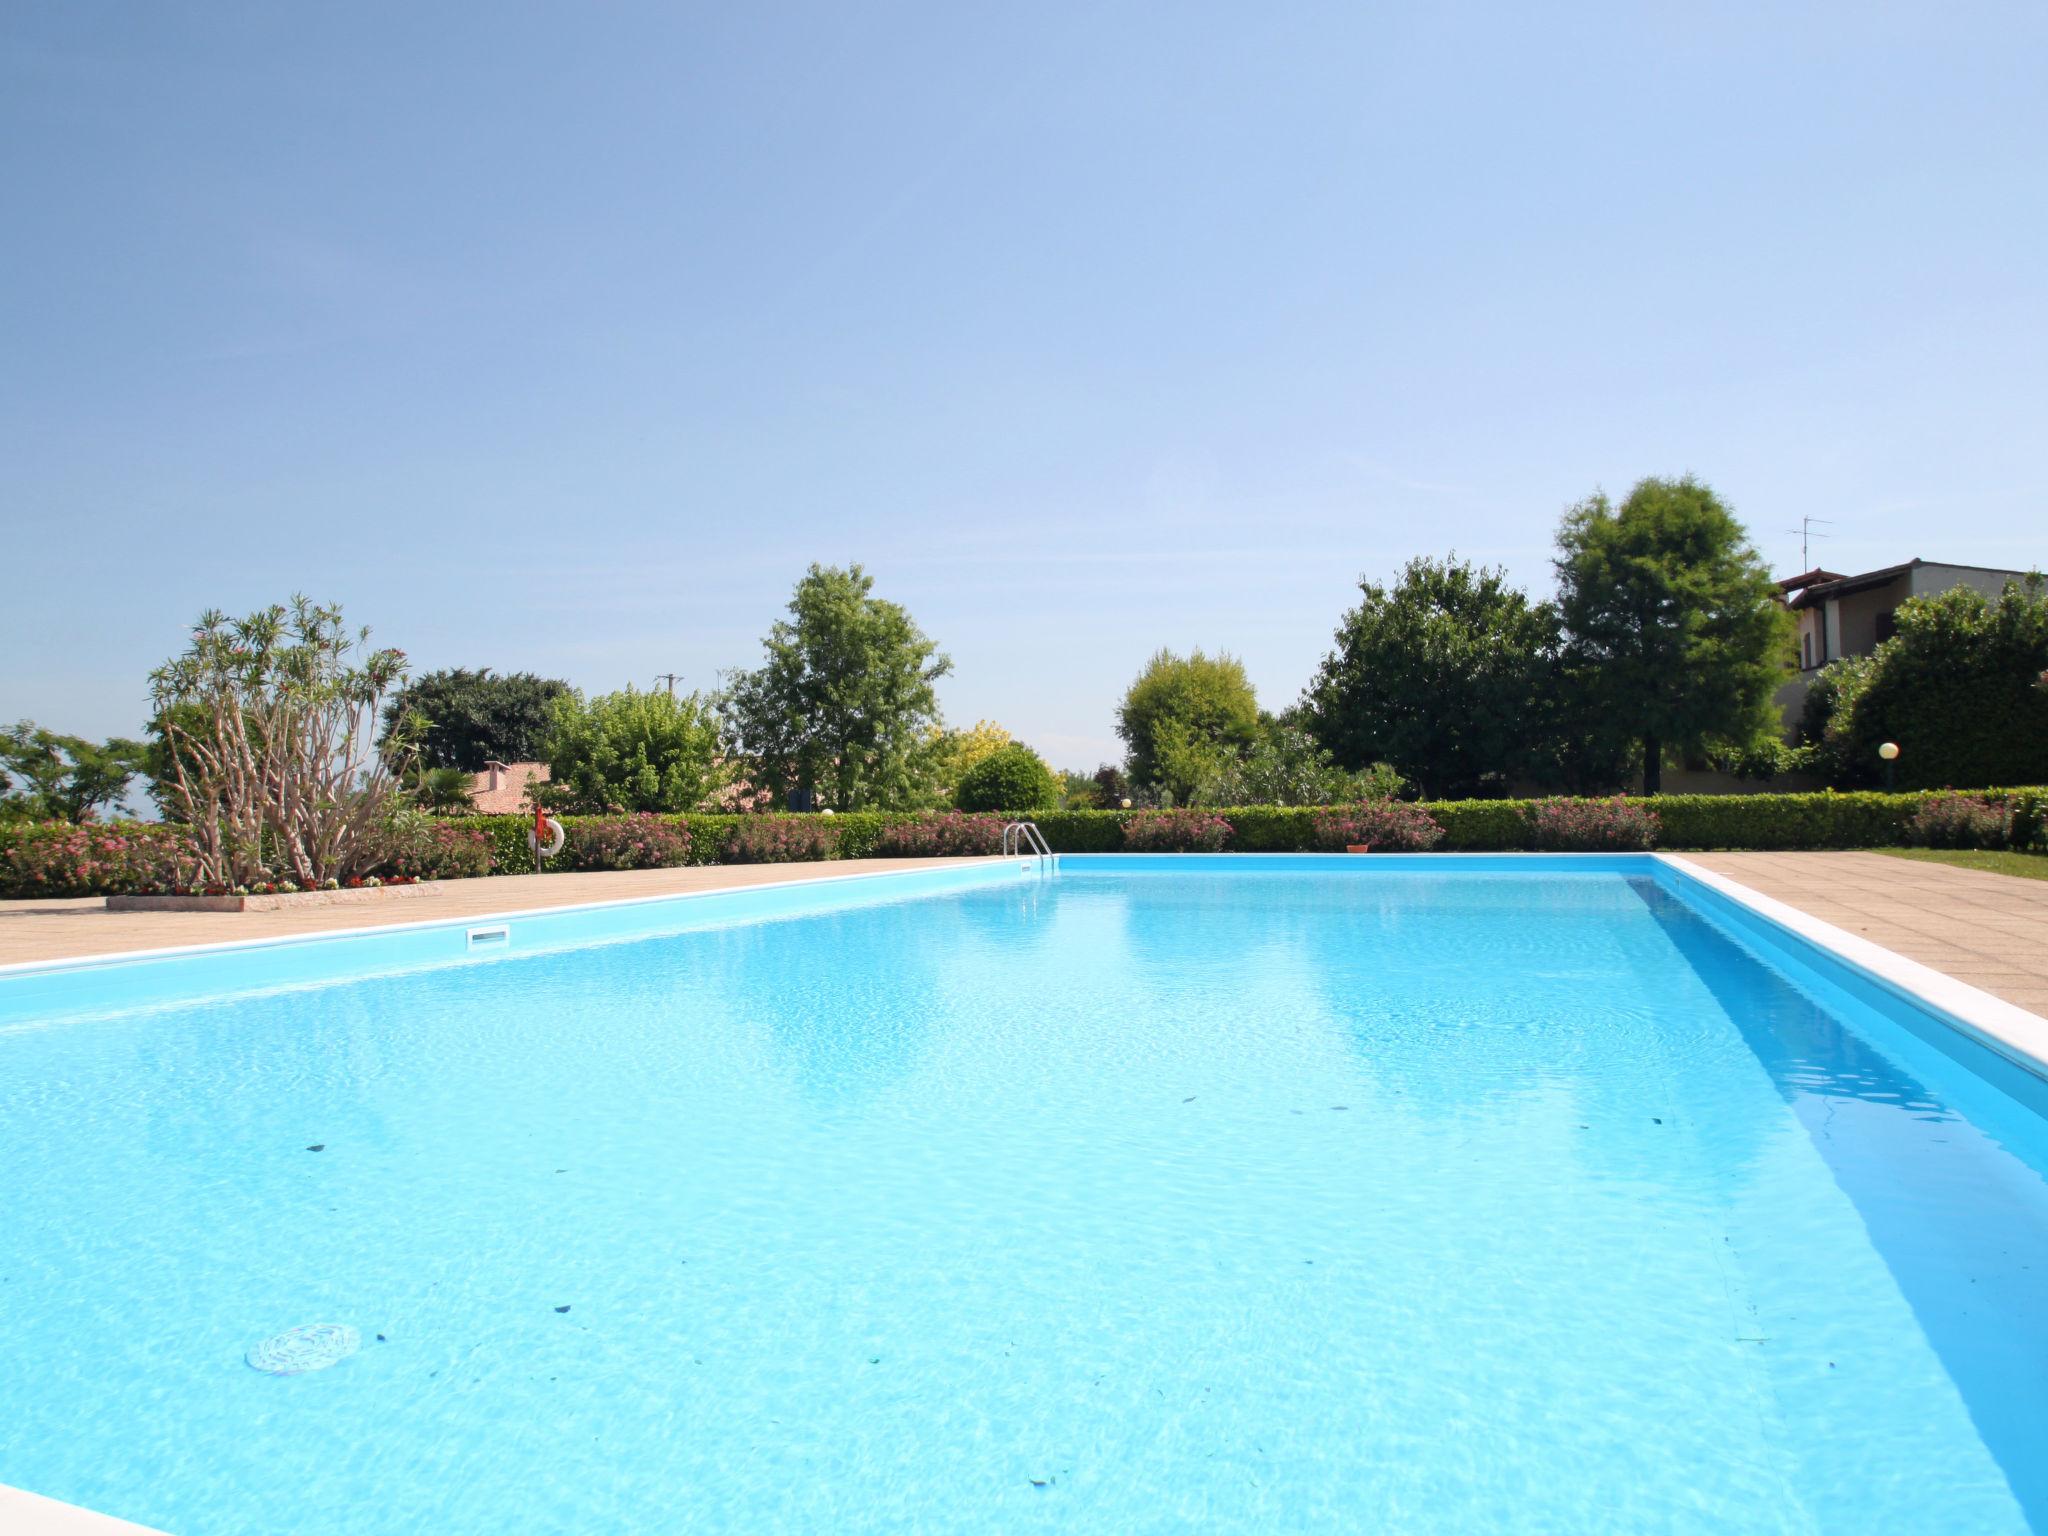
1148,1196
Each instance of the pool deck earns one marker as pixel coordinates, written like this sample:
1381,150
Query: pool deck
73,929
1988,930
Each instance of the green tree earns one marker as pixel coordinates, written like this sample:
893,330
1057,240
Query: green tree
630,751
950,753
461,718
1011,778
1674,635
1959,686
1442,675
843,708
1184,718
45,776
1286,766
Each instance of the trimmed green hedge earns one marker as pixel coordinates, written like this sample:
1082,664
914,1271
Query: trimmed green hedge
51,858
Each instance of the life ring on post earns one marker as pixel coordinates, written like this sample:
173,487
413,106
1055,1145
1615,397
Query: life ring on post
546,836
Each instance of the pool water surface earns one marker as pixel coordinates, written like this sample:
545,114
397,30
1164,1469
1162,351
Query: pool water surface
1144,1196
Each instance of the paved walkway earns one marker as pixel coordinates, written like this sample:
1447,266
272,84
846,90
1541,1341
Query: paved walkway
1988,930
63,930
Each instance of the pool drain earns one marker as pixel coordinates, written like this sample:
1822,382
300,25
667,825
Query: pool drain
311,1348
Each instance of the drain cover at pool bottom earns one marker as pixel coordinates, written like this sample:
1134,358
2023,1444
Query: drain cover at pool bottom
311,1348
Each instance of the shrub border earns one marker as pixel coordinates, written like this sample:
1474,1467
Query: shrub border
1766,822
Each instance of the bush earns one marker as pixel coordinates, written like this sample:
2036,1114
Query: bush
1387,826
1011,778
1959,821
1592,826
945,835
443,851
115,858
625,842
779,840
1176,832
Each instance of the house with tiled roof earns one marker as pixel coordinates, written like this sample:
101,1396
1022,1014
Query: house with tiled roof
501,789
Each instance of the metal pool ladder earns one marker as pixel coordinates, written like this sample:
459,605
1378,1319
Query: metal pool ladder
1023,837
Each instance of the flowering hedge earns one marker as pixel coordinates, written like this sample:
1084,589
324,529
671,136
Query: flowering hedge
643,841
1592,826
1960,821
444,852
54,859
1386,826
950,834
779,840
1176,832
102,859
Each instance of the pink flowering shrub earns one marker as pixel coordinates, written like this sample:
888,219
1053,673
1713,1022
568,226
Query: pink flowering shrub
100,858
948,834
1176,832
1592,826
443,852
1959,821
642,841
1384,826
780,840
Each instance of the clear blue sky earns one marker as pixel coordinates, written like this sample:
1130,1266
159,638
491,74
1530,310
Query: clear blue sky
563,337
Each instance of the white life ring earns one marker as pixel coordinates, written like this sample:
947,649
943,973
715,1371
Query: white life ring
557,836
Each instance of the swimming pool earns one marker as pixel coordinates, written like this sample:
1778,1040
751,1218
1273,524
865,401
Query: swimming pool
1147,1195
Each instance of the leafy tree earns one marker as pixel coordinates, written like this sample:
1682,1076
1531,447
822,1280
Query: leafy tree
464,719
844,705
1442,676
1112,788
1674,635
1959,686
1012,778
1285,766
1184,718
630,751
953,752
48,777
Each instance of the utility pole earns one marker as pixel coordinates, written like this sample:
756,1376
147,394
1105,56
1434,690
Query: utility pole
1806,534
671,678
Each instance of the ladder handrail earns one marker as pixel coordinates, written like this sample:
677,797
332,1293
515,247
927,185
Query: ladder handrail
1024,837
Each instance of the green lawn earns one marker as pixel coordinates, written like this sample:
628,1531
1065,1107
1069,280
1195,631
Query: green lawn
2029,866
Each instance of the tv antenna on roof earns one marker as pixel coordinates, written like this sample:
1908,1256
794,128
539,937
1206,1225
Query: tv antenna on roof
1806,533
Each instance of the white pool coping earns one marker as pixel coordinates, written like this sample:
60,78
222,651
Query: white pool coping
2005,1027
30,1514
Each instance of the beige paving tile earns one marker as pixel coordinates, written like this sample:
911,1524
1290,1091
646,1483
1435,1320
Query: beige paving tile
1986,929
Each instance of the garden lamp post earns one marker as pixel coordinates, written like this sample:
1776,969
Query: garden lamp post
1889,751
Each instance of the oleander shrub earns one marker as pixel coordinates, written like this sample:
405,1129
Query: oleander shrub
642,841
1011,778
115,858
1960,821
1592,826
443,851
1176,832
1385,826
948,834
779,840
